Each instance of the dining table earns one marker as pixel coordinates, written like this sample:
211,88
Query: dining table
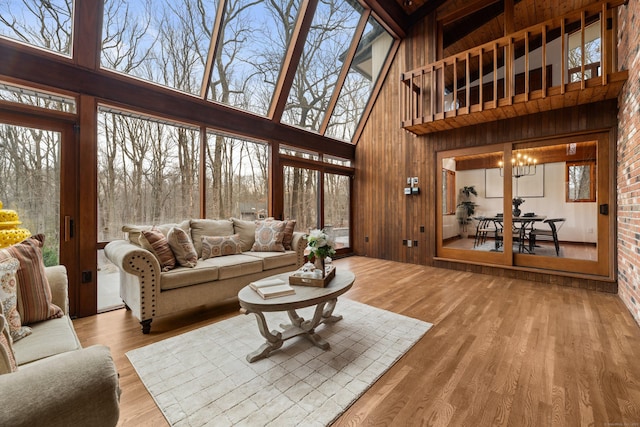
520,225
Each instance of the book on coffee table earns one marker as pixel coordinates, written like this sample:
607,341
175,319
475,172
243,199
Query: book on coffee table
260,284
275,291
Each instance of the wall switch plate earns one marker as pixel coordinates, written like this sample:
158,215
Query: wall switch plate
414,180
407,190
409,243
422,228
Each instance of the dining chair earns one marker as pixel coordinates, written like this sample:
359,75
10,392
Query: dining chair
552,233
485,226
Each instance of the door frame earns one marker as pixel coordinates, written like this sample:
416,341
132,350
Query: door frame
65,124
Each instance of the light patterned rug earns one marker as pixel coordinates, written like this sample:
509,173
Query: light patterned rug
201,378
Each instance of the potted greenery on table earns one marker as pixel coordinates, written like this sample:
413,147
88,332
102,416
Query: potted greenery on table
465,208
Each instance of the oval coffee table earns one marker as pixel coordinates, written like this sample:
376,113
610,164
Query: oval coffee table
324,299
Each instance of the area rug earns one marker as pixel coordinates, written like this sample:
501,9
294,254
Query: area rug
201,378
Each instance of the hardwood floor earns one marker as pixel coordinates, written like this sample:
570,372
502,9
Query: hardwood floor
502,352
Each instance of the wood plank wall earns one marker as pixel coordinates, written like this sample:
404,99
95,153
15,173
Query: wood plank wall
386,155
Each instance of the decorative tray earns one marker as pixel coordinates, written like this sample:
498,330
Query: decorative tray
309,281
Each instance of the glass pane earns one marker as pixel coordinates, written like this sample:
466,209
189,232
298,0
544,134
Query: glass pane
337,208
237,183
298,152
331,33
161,41
592,42
44,24
253,42
301,197
564,229
477,221
22,95
354,96
108,284
30,177
147,172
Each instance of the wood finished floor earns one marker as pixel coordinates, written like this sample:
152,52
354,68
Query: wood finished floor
502,352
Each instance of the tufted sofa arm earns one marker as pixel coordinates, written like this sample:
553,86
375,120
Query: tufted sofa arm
139,277
298,244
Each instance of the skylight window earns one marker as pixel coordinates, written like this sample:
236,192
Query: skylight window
253,41
44,24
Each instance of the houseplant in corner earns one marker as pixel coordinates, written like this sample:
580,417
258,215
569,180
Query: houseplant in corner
465,208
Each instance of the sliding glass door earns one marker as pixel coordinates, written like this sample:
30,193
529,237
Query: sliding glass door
542,204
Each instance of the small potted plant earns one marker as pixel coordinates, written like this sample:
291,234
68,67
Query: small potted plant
517,201
466,208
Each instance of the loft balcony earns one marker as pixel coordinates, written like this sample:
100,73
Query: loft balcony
562,62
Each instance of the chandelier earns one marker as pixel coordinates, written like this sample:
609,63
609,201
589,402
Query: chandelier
521,165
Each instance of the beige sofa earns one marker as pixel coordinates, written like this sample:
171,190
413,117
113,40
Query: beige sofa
150,292
59,383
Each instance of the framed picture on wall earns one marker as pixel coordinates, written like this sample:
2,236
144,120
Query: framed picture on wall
525,186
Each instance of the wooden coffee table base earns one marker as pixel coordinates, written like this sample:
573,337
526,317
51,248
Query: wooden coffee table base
299,326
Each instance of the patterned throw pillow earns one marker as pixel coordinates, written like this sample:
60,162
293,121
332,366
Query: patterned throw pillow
34,292
182,247
9,298
153,240
7,358
288,234
269,235
213,246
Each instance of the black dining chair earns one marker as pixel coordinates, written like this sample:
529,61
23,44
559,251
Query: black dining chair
552,233
485,226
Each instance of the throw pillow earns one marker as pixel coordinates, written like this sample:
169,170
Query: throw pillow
133,231
213,246
247,232
209,227
182,247
269,235
9,298
34,293
154,241
7,358
288,234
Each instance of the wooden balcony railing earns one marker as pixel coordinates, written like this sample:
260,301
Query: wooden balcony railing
562,62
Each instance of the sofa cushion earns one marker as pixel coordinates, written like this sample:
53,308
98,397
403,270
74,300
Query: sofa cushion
34,293
209,227
9,298
133,231
247,232
182,247
179,277
154,241
7,358
269,236
236,265
288,234
214,246
48,338
271,260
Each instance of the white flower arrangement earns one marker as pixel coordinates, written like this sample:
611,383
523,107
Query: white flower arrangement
319,244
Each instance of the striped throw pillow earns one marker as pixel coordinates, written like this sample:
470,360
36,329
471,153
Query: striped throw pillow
155,241
34,293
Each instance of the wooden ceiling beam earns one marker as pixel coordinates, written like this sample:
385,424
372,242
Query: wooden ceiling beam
392,14
32,65
426,9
